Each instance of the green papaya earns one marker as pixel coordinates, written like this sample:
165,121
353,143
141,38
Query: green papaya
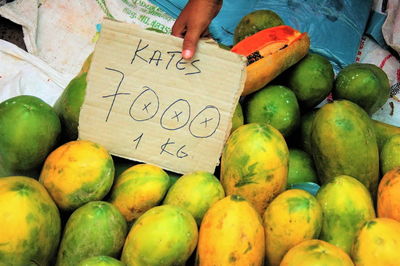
68,105
254,22
305,130
237,118
364,84
311,79
384,132
346,206
29,130
101,261
343,142
97,228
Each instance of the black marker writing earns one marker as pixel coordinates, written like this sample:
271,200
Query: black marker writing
194,65
145,105
180,62
180,153
116,92
205,123
155,57
137,140
139,50
164,147
172,53
176,115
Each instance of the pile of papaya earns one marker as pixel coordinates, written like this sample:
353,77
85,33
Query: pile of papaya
306,177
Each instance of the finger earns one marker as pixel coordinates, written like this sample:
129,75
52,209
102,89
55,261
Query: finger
206,34
178,29
190,43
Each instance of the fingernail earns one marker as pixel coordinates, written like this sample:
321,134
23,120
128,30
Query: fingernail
187,54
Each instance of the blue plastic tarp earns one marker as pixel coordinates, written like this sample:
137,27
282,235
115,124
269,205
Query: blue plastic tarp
335,27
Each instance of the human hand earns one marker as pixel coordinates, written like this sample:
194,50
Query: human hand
192,23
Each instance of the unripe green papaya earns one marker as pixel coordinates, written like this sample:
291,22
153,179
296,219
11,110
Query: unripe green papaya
364,84
97,228
346,206
101,261
254,22
29,130
384,132
68,105
343,142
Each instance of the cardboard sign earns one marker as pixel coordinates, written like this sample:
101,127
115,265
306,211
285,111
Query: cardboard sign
144,102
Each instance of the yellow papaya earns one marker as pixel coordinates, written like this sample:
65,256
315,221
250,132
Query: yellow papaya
388,201
254,164
292,217
346,206
377,243
77,172
163,235
231,233
30,224
196,192
138,189
316,252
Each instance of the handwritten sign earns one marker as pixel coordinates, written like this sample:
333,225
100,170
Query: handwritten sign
144,102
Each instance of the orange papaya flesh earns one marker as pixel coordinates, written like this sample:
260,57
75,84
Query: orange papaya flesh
270,52
267,41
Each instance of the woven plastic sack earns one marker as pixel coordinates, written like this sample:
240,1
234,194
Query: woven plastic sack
23,73
63,32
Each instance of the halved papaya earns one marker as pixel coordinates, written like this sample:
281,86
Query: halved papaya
269,52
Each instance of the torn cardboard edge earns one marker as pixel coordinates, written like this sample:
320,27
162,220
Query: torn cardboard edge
131,68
